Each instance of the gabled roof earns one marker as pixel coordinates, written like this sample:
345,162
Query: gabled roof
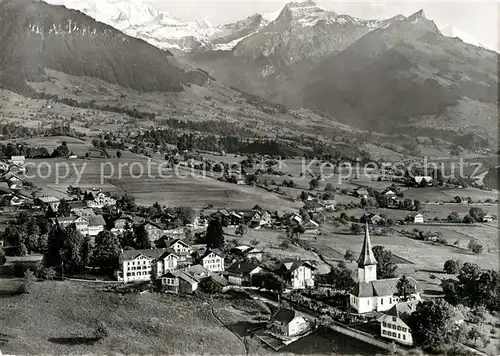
284,316
96,220
170,243
310,224
151,253
77,204
208,251
155,224
403,308
242,267
220,281
381,287
291,265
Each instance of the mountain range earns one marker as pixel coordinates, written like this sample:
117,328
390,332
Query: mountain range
395,75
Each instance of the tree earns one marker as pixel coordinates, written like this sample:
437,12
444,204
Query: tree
215,234
416,204
349,255
3,259
185,214
22,250
70,251
408,204
473,334
64,209
453,217
269,281
329,187
477,315
340,278
386,268
432,324
106,251
475,247
142,241
118,154
405,289
451,266
356,229
314,184
476,214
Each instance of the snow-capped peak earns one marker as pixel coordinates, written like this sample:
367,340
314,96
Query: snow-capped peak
452,31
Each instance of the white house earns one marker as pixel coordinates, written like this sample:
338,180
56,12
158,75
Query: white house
297,274
213,261
96,224
155,230
371,294
329,204
181,249
288,323
487,218
82,223
18,160
423,180
137,265
417,218
310,227
100,201
393,325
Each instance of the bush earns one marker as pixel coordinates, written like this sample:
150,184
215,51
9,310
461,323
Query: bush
101,331
475,247
29,279
452,266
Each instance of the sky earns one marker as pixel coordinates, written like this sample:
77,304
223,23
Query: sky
480,19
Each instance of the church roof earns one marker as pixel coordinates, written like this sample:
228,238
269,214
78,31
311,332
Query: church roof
381,287
366,257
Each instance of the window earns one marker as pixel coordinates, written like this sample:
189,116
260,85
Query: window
399,328
383,332
384,324
404,337
128,274
399,336
394,318
393,326
381,301
389,325
368,301
390,300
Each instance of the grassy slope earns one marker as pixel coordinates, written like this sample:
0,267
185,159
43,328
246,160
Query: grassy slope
142,324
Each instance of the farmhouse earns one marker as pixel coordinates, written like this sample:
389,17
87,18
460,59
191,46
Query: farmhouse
487,218
179,282
212,260
122,223
328,204
155,230
313,206
53,202
310,227
17,160
297,274
101,200
371,294
137,265
416,218
82,224
393,325
370,218
240,273
96,224
248,252
361,193
18,201
389,193
423,181
288,323
182,249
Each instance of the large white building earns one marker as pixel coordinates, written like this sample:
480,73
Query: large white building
372,294
138,265
213,261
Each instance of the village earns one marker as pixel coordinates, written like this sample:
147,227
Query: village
95,234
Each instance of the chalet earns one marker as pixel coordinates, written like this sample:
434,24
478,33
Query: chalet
297,274
181,248
371,218
257,218
137,265
328,204
288,323
155,230
235,219
96,224
240,273
371,294
393,322
487,218
122,223
423,181
212,260
389,193
53,202
223,215
361,193
101,200
214,282
313,206
179,282
416,218
18,201
295,219
310,227
17,160
12,178
81,223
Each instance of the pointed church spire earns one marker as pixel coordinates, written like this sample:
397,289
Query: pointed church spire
366,257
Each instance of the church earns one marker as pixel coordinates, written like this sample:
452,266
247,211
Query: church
372,294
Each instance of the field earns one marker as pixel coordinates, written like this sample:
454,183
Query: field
60,317
129,175
76,145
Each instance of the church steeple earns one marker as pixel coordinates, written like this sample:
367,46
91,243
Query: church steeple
367,264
